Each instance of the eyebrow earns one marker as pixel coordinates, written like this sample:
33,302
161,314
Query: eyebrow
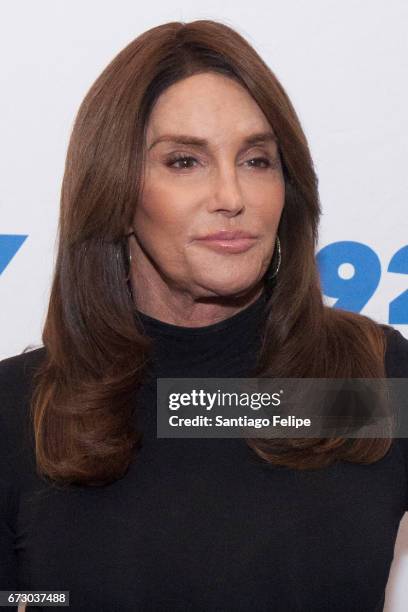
185,139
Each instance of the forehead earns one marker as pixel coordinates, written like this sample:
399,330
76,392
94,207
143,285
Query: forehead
207,105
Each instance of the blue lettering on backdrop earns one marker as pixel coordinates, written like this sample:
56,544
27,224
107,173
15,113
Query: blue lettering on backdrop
398,308
9,245
352,292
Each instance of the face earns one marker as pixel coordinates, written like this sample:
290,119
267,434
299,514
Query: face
204,175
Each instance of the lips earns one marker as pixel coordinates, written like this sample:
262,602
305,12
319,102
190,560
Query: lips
228,235
228,242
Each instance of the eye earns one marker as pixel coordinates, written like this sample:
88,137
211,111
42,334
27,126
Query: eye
259,160
180,159
186,162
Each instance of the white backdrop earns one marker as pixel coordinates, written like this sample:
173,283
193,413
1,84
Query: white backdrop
344,66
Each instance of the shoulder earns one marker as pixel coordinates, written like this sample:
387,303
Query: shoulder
16,377
396,354
16,373
22,361
396,365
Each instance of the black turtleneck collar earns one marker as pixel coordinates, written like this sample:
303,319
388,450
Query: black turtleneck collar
224,349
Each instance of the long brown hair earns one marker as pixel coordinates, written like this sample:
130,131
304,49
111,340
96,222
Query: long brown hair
95,352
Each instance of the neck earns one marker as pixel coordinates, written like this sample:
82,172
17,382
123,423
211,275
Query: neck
185,310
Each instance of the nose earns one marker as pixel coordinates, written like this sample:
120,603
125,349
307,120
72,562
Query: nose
226,193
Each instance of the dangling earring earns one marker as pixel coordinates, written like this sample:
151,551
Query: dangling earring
130,265
278,249
129,257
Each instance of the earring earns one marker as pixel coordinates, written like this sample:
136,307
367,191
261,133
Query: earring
129,257
130,265
278,249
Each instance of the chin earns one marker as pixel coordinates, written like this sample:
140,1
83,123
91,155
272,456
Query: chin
225,288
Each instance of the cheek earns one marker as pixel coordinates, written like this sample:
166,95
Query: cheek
267,195
159,212
270,209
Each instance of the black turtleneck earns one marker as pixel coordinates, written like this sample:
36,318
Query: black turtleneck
227,348
224,349
199,525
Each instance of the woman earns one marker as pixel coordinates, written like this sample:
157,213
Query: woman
185,134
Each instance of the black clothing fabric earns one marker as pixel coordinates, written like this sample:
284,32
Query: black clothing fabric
199,524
